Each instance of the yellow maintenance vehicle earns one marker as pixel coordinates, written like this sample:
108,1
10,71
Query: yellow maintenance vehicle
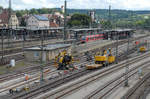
102,60
64,61
142,49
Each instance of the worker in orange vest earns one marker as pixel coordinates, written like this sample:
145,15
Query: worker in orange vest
26,77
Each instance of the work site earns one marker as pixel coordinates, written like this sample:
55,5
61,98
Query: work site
74,50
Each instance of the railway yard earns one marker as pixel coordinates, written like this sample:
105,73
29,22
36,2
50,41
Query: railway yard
127,77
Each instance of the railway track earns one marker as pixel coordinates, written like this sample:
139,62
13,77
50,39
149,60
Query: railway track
36,68
28,70
20,41
69,89
136,91
106,89
31,80
18,75
19,49
31,71
6,59
22,74
54,84
17,53
16,50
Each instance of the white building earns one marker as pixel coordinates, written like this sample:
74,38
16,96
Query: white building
13,22
36,22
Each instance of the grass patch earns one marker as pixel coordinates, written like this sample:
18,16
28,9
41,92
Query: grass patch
19,65
4,69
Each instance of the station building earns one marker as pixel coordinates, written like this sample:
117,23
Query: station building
48,53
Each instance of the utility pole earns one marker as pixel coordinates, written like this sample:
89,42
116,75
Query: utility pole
42,78
65,12
126,84
9,12
117,47
2,36
9,23
109,17
23,37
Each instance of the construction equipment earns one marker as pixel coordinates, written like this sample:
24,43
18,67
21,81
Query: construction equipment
142,49
64,61
102,60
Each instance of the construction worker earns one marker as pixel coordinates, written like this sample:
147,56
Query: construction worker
110,54
104,53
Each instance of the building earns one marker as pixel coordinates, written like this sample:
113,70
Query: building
59,14
49,52
53,24
13,22
92,15
55,20
37,21
4,18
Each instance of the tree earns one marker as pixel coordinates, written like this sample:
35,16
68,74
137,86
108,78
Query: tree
106,24
33,11
79,20
19,14
22,23
75,23
1,8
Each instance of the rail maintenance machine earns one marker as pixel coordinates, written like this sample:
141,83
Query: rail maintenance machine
142,49
102,60
64,61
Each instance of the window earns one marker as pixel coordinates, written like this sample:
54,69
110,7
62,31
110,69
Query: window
36,54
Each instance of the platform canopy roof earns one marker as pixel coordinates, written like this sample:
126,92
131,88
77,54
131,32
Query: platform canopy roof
120,30
85,29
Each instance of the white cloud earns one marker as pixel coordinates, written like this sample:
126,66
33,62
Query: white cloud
79,4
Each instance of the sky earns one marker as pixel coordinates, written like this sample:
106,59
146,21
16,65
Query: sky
79,4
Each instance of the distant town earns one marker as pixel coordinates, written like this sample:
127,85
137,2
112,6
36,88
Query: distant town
54,17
